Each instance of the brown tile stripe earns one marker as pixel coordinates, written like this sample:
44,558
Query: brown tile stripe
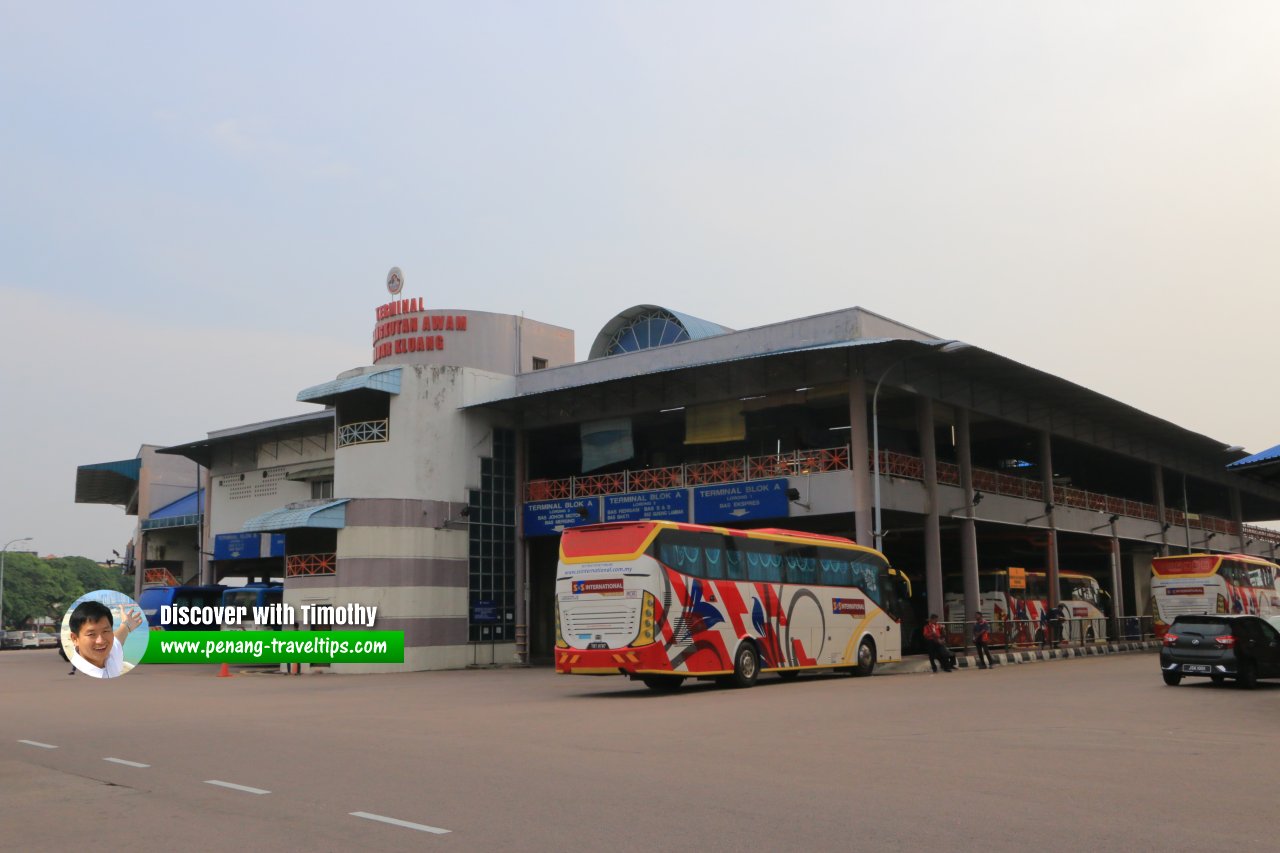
392,512
388,571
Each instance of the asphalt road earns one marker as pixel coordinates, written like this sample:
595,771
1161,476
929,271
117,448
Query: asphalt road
1079,755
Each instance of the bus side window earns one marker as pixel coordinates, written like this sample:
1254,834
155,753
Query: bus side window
735,562
834,570
764,561
713,557
802,565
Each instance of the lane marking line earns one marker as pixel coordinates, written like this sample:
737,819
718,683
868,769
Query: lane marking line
236,787
37,743
421,827
125,763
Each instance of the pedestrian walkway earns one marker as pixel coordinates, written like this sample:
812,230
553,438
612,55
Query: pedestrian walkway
920,663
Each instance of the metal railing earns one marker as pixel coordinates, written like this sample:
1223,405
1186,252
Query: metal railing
306,565
1027,634
362,432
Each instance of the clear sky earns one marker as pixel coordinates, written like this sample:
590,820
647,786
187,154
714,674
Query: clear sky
199,202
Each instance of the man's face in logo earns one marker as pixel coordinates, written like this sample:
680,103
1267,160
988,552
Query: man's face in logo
94,641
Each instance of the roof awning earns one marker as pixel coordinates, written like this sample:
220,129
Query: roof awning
108,482
1271,454
387,381
186,511
329,514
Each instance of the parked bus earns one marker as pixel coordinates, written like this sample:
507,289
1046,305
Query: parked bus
250,596
660,601
1015,613
1212,583
155,597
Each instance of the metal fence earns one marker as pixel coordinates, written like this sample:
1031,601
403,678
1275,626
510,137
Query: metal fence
1015,634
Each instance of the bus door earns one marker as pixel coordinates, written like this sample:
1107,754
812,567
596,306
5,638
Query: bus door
895,598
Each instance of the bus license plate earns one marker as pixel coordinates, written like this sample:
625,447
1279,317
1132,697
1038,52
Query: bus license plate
1197,668
597,645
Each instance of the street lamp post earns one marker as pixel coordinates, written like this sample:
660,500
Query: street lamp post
3,552
947,347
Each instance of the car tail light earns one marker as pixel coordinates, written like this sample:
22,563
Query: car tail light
1226,641
1170,639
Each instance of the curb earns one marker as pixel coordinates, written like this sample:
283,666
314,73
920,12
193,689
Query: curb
920,663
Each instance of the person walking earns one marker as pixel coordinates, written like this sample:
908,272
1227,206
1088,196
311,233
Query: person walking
1046,627
982,636
934,640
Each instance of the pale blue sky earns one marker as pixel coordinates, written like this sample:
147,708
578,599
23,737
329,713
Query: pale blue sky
198,204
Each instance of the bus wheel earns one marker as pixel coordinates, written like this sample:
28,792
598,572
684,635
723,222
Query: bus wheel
746,666
663,683
866,659
788,674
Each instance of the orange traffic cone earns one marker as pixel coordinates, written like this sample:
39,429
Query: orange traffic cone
225,672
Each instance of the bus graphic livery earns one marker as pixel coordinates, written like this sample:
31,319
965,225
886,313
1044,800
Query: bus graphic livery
1212,583
1015,613
661,601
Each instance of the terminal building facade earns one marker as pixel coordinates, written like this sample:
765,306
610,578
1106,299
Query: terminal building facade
433,483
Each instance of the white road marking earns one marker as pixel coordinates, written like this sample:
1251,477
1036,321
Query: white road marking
125,763
421,827
236,787
37,743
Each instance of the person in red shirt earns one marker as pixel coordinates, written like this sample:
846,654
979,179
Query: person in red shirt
982,636
934,640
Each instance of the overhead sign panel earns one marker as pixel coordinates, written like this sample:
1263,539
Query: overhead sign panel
237,546
667,504
740,501
547,518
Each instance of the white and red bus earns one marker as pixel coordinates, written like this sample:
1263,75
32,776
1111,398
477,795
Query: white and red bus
660,601
1212,583
1015,613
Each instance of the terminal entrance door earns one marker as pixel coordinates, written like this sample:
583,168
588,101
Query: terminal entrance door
544,554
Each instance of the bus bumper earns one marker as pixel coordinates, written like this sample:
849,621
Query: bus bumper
629,660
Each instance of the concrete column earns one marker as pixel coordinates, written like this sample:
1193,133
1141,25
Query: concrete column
932,528
1157,481
1051,555
860,460
1237,515
968,527
1117,586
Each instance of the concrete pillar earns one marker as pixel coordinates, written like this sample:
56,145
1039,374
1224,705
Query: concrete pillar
860,460
932,527
1117,586
968,527
1237,515
1051,555
1162,516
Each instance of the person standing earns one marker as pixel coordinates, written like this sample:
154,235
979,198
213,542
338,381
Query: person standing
938,651
981,637
1046,627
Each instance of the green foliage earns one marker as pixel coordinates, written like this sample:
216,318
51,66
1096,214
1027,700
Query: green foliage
35,588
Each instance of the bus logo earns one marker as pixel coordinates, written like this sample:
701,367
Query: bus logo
612,586
849,606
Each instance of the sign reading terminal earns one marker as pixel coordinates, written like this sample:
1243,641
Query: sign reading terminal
406,326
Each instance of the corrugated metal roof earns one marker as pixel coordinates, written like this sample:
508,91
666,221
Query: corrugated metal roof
108,482
1268,455
330,514
191,503
697,327
380,380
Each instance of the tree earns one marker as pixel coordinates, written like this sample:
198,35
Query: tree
93,576
34,588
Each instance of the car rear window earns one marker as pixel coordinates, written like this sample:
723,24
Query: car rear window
1203,627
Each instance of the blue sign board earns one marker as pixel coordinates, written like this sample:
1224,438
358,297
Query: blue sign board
547,518
740,501
237,546
277,545
484,610
669,504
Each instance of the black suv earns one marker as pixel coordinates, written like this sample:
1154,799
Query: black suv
1219,647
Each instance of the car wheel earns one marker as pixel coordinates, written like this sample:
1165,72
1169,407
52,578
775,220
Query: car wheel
1173,679
866,659
1247,675
788,674
1217,679
746,666
663,683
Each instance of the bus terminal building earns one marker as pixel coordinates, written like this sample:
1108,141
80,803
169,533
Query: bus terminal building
434,482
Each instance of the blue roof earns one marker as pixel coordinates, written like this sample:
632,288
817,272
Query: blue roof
378,380
189,504
330,514
1257,458
647,326
108,482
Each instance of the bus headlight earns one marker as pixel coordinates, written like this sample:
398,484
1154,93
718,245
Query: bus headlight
560,643
645,636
